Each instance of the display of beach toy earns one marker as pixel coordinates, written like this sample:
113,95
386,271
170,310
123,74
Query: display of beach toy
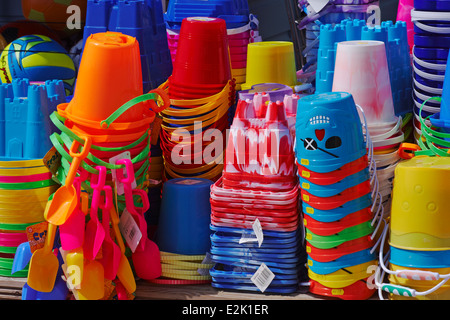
342,206
97,148
417,262
201,92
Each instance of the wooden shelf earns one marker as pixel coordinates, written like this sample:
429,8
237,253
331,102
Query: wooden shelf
11,289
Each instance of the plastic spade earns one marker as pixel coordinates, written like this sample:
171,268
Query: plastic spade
65,198
146,258
127,181
93,284
110,250
21,257
95,234
72,231
44,264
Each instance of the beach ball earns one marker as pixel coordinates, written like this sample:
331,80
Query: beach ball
37,58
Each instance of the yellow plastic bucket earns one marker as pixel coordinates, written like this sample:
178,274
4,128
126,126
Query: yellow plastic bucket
270,62
419,211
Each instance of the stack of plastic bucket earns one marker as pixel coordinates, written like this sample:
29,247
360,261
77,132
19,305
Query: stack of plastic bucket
362,70
332,13
434,132
340,200
25,180
419,237
242,27
142,19
125,128
431,47
183,233
254,206
110,118
201,93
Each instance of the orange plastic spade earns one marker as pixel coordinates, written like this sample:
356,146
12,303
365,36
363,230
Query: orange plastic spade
65,199
44,264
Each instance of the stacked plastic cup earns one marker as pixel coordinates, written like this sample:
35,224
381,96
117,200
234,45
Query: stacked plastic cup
242,27
339,193
256,241
201,93
431,47
370,87
419,240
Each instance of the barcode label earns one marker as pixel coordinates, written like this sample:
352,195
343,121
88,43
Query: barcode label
129,230
262,277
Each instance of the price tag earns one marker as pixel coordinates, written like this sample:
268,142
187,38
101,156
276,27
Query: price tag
318,5
258,237
52,160
262,277
36,235
129,229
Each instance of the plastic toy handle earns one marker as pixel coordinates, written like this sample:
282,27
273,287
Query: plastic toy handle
398,290
164,97
98,181
407,150
128,168
107,202
417,275
144,197
77,158
127,105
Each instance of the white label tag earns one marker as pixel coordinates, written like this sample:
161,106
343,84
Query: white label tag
258,231
318,5
258,237
113,160
129,229
262,277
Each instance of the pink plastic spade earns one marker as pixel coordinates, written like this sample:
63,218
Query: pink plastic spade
72,231
95,234
110,250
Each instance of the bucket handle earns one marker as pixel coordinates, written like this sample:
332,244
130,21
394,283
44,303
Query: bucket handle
151,96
